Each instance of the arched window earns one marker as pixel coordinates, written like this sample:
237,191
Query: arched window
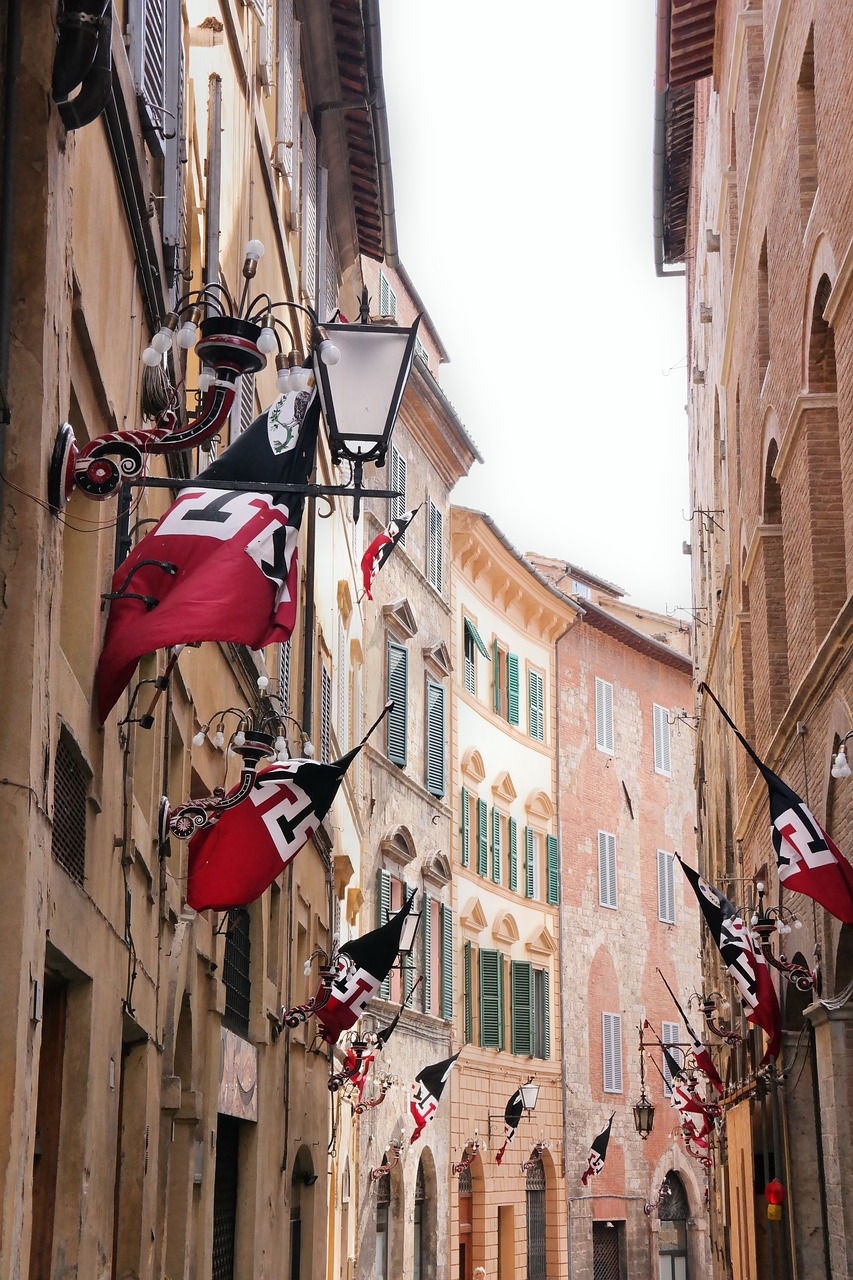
383,1206
672,1237
420,1197
466,1200
769,623
536,1221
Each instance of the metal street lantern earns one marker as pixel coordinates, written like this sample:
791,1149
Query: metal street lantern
410,929
644,1112
529,1094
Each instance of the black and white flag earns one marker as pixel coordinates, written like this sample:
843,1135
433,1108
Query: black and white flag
597,1152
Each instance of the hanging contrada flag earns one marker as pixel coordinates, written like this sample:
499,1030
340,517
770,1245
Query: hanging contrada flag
363,966
427,1090
807,860
221,563
382,546
694,1114
597,1153
742,958
701,1054
512,1115
237,856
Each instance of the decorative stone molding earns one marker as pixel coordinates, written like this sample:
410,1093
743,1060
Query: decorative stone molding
437,658
538,805
472,766
398,846
400,618
472,917
505,928
541,942
503,788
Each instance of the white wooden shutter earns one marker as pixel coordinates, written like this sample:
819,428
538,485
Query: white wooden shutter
670,1034
387,297
661,732
325,714
435,541
287,101
611,1038
536,705
309,209
174,148
604,715
284,674
607,891
148,45
383,904
666,887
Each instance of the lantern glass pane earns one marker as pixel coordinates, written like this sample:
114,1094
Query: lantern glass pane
362,385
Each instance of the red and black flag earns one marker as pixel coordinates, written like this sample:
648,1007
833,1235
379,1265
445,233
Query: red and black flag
597,1153
221,563
693,1112
427,1090
807,860
701,1053
743,959
382,546
512,1115
233,861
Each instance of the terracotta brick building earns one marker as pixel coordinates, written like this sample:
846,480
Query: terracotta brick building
754,198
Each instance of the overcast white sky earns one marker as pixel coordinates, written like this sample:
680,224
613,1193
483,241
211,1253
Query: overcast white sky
521,144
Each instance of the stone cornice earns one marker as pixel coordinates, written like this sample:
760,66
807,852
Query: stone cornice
805,401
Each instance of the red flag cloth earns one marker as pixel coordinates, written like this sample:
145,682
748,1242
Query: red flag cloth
806,858
382,546
221,563
742,957
702,1055
427,1090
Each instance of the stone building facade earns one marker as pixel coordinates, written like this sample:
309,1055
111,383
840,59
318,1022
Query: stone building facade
755,202
626,807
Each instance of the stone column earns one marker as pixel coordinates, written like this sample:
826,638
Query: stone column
834,1051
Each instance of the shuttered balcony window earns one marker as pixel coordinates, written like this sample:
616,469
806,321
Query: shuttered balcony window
426,931
398,717
497,851
670,1034
530,885
536,705
446,961
383,912
435,745
387,297
666,887
465,827
541,1013
468,961
491,999
309,209
661,735
397,481
521,985
513,854
607,892
512,708
604,716
611,1038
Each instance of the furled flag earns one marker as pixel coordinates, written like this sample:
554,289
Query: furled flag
382,546
221,563
701,1053
512,1115
597,1152
807,859
742,958
235,859
695,1118
427,1090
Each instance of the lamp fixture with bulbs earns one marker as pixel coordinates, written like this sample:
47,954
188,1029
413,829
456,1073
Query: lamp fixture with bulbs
840,764
765,921
379,1171
469,1155
535,1156
707,1005
529,1097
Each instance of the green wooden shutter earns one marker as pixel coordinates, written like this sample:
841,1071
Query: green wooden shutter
408,966
553,869
427,984
521,983
496,846
446,961
469,994
465,851
512,687
383,912
513,854
536,705
482,838
528,862
435,739
398,689
491,999
546,1014
496,676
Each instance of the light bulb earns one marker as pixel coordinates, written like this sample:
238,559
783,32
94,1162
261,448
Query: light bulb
198,738
266,341
255,250
306,968
280,745
298,378
151,357
308,748
727,1005
282,757
263,682
759,888
329,353
187,335
162,340
282,382
239,738
781,927
840,766
219,739
206,379
798,924
754,920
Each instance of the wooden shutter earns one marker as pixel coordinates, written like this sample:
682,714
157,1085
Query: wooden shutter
398,689
611,1028
491,999
536,705
512,700
482,838
435,546
397,480
604,715
148,47
513,854
607,891
309,209
469,659
427,936
666,887
529,850
546,1014
465,829
325,714
174,147
435,779
496,677
670,1034
383,901
661,735
287,100
553,847
496,846
284,674
521,986
446,961
469,993
387,297
343,682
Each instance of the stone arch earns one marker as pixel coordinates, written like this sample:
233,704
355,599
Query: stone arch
771,490
302,1211
768,612
398,843
472,766
425,1214
603,996
822,267
505,928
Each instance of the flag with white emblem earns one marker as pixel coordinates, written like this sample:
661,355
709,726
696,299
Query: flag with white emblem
701,1053
382,546
597,1153
426,1093
512,1116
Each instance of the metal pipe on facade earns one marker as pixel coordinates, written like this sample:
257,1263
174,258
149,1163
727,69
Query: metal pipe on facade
379,117
214,180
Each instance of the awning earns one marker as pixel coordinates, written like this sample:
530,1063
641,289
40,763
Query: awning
472,631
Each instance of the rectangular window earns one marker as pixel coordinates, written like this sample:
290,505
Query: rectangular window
387,297
607,893
532,887
398,717
397,480
426,934
552,846
325,714
421,351
472,642
499,678
71,781
491,999
482,838
512,699
513,854
670,1034
611,1039
581,589
497,849
435,751
661,723
666,887
465,828
236,970
541,1014
521,987
446,961
604,716
536,705
434,565
308,228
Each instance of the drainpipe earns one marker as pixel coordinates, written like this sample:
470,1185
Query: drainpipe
574,1200
7,209
379,116
83,57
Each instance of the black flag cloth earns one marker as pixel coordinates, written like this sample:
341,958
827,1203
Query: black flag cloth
369,961
427,1090
701,1053
742,958
221,563
382,546
512,1115
806,858
597,1153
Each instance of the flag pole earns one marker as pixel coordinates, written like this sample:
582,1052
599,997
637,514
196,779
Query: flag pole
757,761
